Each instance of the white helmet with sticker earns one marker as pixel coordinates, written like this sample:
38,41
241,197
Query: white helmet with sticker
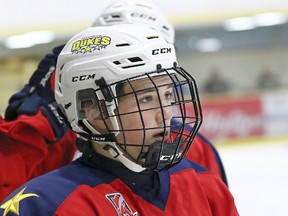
94,65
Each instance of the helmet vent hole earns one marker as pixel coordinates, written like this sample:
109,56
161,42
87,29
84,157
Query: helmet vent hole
121,45
116,62
61,67
152,37
60,77
130,62
135,59
131,66
115,16
165,27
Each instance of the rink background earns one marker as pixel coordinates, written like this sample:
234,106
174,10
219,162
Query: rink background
257,175
256,169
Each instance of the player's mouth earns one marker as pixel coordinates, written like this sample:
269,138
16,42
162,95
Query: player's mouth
163,135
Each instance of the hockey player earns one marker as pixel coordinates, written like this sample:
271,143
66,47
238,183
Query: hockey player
119,91
33,126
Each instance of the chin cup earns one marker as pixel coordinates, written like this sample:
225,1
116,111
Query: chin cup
171,153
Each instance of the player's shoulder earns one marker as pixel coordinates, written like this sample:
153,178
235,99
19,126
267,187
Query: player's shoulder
187,164
189,170
70,177
47,192
203,145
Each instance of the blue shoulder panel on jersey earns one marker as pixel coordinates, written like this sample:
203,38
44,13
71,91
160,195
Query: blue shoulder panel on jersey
66,180
186,164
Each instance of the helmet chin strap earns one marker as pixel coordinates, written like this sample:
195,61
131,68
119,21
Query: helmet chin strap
113,150
90,127
117,153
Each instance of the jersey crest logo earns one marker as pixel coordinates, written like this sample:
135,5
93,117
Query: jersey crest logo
13,204
120,205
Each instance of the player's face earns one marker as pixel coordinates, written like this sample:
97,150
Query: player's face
147,125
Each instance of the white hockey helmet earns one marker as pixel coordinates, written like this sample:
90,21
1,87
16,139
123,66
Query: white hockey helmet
137,12
96,61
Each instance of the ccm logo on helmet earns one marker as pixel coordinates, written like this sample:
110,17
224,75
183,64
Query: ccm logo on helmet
143,16
83,77
161,51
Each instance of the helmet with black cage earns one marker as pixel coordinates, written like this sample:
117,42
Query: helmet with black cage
120,87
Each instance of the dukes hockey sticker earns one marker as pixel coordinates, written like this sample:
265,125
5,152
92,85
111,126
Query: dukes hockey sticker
90,44
120,205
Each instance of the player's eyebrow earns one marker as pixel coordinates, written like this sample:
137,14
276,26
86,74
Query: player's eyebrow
152,89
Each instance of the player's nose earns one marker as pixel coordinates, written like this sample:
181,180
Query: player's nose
164,114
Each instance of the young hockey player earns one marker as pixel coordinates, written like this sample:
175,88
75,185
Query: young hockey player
33,129
118,86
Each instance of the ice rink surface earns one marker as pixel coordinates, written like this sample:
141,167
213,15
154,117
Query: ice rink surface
258,176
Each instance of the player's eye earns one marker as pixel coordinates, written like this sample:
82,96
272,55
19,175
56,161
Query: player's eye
146,99
168,95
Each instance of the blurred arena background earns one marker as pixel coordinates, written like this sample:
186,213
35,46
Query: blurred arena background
236,51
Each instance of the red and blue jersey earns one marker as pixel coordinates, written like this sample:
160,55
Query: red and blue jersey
82,188
24,147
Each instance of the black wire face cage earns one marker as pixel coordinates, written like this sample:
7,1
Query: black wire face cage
158,115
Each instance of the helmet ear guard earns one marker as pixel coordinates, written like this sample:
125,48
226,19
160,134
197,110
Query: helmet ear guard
85,97
88,97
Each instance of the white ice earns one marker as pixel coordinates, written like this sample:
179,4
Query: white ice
258,177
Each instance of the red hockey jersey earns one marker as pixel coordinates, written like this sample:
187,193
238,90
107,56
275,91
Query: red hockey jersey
82,189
